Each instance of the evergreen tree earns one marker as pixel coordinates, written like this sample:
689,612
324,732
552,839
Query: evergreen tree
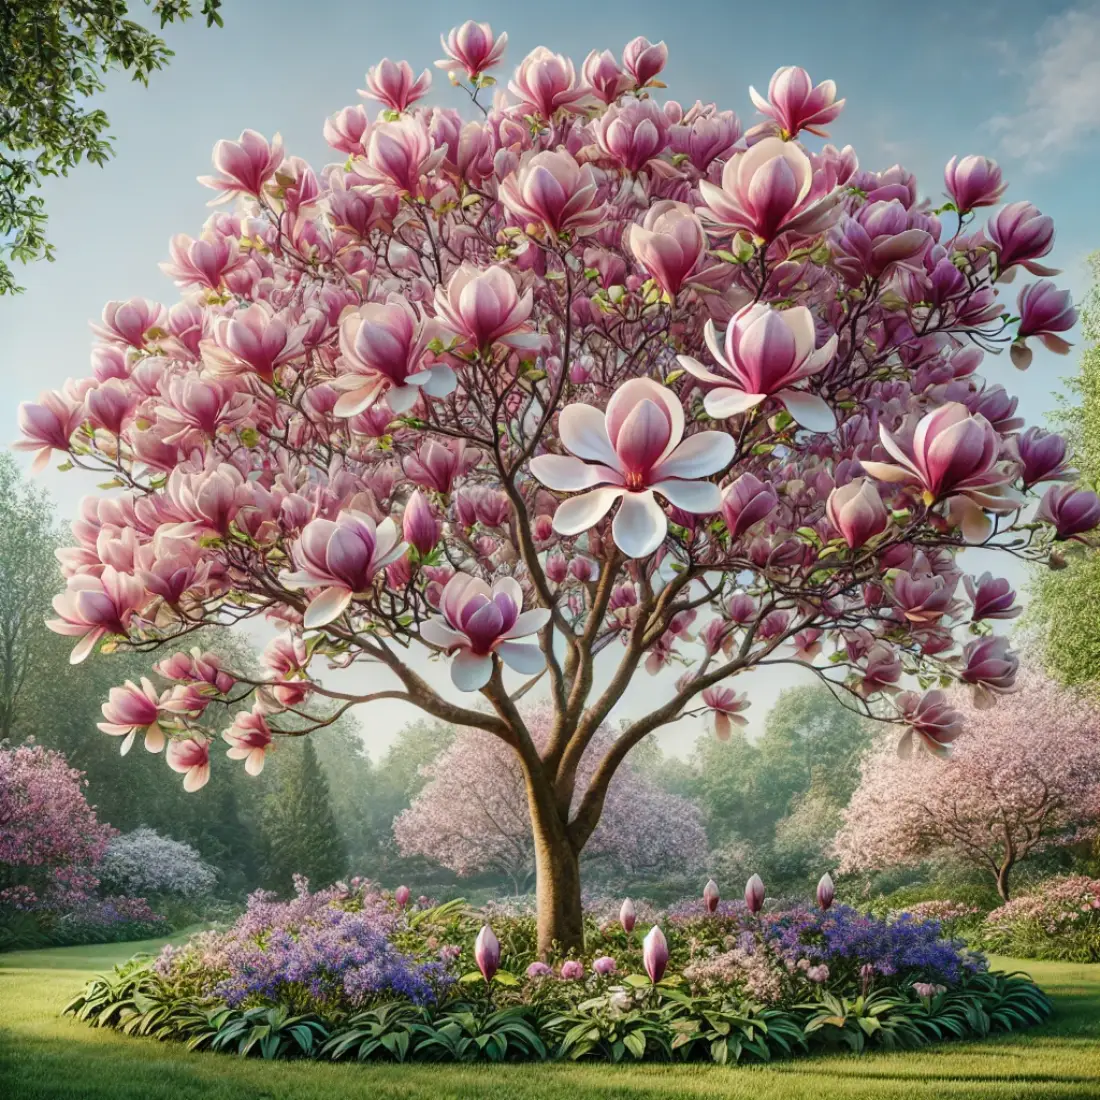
301,830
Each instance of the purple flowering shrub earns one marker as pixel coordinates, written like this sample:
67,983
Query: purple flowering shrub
331,951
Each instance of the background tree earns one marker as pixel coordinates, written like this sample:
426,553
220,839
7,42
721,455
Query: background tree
596,416
50,837
1022,778
1063,599
472,815
54,58
28,582
300,828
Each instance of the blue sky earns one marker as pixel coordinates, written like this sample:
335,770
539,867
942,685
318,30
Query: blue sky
1016,80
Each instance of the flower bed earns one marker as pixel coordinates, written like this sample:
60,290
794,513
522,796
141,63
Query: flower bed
1060,920
353,972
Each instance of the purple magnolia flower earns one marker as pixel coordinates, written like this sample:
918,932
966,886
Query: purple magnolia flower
655,954
754,894
604,965
487,953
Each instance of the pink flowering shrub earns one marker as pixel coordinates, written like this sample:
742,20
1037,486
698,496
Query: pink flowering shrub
1058,919
644,364
50,838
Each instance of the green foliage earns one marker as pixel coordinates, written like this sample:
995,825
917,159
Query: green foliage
54,58
1063,601
301,831
731,1031
600,1028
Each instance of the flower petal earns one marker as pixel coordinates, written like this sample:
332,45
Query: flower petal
521,657
567,474
583,432
580,513
885,471
700,497
326,607
640,525
698,456
471,671
809,410
441,382
730,402
694,367
528,623
437,632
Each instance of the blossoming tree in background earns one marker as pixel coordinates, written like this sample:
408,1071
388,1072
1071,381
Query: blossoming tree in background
586,374
50,838
1023,778
472,816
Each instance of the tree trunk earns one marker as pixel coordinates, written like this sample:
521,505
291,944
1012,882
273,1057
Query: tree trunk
557,881
1002,880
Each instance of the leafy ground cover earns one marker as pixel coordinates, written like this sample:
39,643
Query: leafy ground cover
44,1056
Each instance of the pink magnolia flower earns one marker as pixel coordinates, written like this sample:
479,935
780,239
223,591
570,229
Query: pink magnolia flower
244,166
1042,457
602,74
952,454
393,84
1044,311
726,707
382,345
551,189
745,503
881,670
632,134
644,61
754,894
931,720
990,667
472,49
857,512
130,322
877,238
1071,512
655,954
973,182
478,621
347,131
398,155
191,758
766,352
711,896
249,739
131,708
993,597
419,524
436,465
1020,234
484,308
545,82
201,405
93,607
628,916
668,244
807,643
826,891
47,426
401,896
204,262
256,340
703,138
795,103
342,556
632,450
770,190
487,952
572,970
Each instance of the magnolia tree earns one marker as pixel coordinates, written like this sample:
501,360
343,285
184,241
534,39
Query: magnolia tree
50,838
586,374
1021,779
473,814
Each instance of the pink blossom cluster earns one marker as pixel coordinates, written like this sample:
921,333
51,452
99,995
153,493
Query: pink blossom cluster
472,814
588,371
50,838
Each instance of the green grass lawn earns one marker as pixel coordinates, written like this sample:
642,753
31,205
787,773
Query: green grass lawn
46,1057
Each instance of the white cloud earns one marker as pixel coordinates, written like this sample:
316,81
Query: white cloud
1060,81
